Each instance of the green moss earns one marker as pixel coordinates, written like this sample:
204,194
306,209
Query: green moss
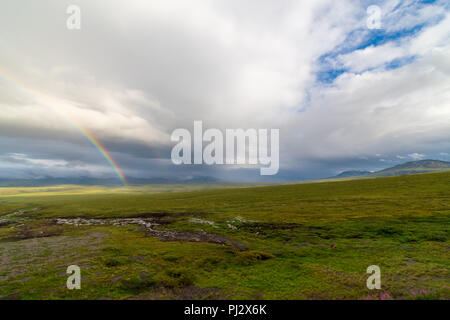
305,241
251,257
175,278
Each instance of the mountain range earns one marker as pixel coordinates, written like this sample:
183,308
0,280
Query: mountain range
89,181
412,167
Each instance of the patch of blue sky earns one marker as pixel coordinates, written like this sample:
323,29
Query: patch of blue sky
399,62
329,70
327,76
361,38
378,37
429,1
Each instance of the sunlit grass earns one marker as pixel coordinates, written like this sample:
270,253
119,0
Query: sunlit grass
298,241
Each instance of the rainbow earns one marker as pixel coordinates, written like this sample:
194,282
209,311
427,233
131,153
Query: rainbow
102,150
44,101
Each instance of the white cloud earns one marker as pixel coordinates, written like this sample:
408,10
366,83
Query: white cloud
405,15
139,69
416,156
371,57
41,162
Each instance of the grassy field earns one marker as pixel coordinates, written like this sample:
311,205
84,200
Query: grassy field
304,241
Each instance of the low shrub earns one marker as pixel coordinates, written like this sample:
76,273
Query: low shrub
250,257
175,278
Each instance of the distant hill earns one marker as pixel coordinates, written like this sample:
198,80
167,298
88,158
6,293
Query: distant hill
352,173
88,181
412,167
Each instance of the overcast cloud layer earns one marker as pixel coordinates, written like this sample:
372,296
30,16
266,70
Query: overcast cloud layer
343,96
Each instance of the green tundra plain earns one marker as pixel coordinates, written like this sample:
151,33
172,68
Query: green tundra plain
296,241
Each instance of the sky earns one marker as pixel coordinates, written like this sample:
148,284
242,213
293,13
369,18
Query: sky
344,96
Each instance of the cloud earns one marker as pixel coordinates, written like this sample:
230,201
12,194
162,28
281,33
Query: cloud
416,156
406,15
136,71
16,165
371,57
